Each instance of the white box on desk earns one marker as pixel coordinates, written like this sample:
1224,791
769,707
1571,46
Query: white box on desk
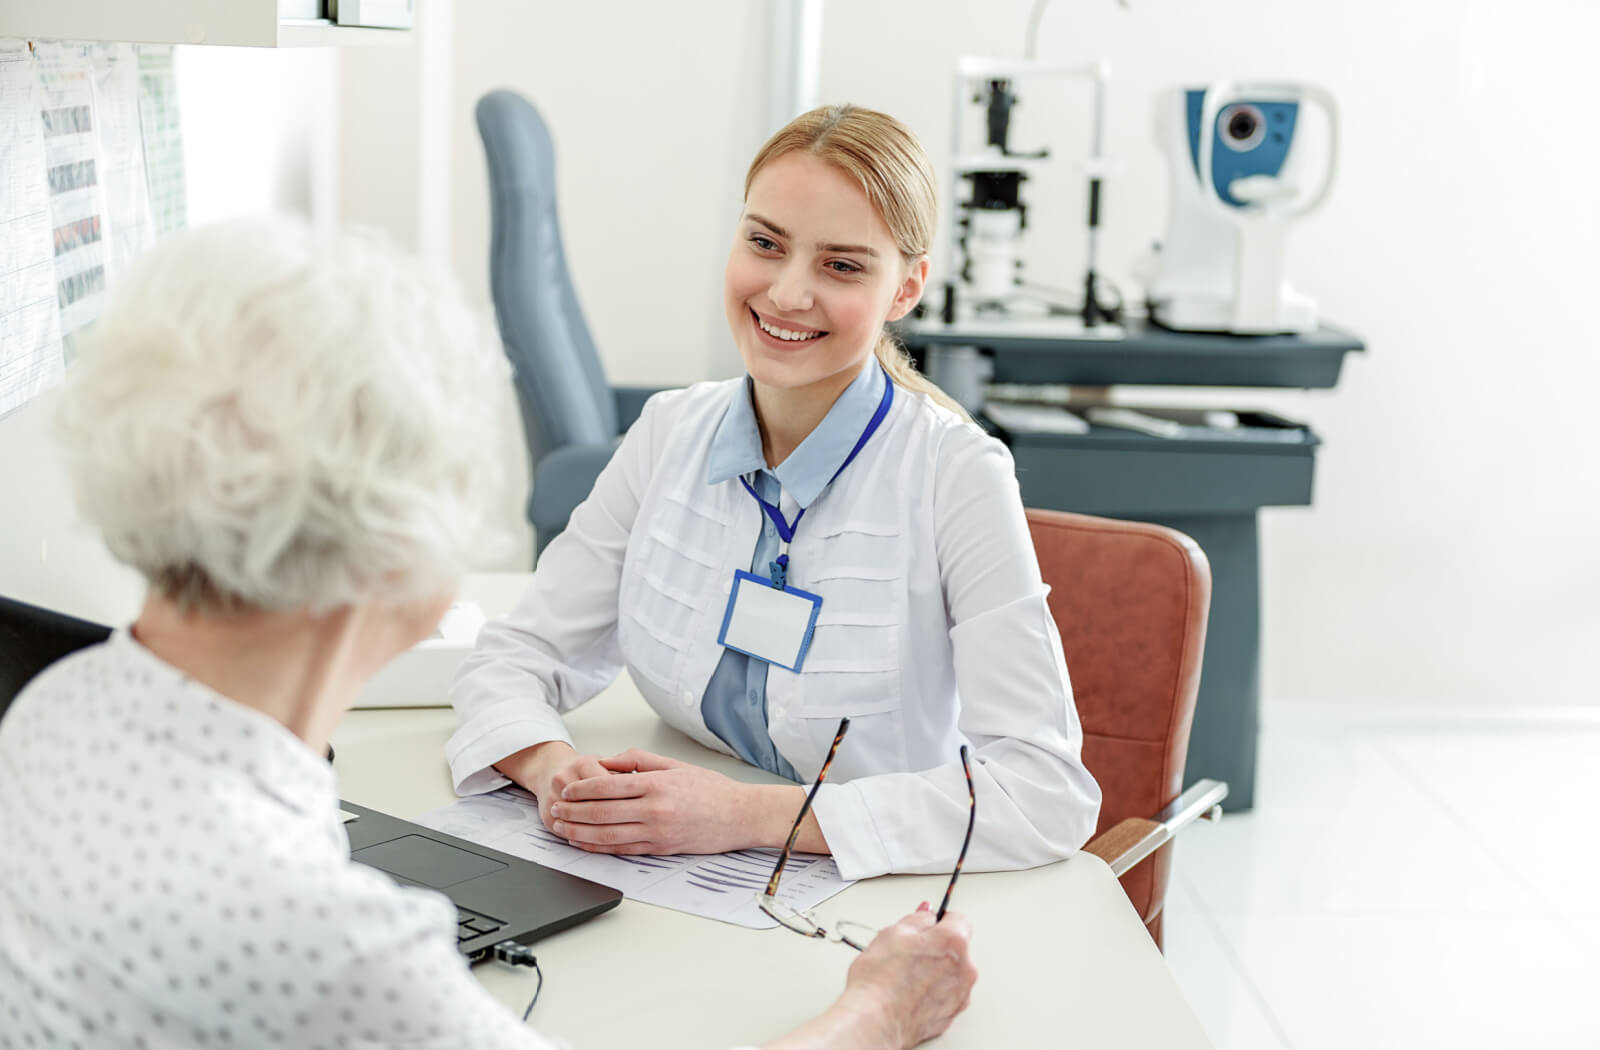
420,676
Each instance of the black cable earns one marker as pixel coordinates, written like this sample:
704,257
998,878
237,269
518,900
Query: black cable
536,990
515,954
1073,301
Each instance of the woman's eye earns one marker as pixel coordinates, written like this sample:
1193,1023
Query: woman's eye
839,266
766,244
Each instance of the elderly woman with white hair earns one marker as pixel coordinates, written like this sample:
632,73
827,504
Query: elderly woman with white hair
285,433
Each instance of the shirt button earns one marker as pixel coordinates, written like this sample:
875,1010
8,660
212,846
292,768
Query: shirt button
727,585
687,697
777,712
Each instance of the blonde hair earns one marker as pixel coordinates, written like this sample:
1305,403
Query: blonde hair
893,169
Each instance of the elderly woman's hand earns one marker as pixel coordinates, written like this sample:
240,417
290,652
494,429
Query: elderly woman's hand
919,973
906,988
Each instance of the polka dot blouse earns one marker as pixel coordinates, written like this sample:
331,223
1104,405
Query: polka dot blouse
173,873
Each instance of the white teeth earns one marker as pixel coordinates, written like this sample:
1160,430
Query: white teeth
784,333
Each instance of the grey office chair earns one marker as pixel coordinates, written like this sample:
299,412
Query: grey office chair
571,416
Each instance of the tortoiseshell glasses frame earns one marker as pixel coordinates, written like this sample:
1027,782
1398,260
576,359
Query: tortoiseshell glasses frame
856,935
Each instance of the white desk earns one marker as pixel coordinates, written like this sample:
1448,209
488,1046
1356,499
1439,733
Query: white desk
1063,959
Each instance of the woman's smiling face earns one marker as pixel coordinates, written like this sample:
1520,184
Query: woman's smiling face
813,275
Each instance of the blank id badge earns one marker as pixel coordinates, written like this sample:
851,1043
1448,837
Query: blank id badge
767,623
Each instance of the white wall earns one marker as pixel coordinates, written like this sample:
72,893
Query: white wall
1447,559
252,122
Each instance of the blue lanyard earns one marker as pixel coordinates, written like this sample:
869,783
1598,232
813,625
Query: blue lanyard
780,567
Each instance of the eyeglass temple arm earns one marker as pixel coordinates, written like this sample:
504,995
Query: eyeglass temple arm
972,819
794,832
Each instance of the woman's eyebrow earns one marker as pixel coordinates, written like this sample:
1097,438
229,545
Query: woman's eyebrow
769,224
849,249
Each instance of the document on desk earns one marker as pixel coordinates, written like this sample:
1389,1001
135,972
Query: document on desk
720,886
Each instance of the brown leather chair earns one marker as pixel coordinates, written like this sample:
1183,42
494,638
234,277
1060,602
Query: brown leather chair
1130,600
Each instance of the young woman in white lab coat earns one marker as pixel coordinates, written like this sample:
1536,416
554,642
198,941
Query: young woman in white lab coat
932,630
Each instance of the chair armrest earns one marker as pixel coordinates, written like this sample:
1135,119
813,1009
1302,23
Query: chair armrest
630,402
1126,844
1202,799
561,481
1134,839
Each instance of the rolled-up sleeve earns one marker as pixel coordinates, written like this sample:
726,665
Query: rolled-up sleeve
558,647
1037,803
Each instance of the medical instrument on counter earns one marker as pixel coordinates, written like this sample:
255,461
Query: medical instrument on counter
1245,163
983,264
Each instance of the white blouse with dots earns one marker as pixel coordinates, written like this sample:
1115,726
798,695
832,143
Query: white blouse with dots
173,873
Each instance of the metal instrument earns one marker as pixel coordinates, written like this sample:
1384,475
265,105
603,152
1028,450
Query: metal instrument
983,266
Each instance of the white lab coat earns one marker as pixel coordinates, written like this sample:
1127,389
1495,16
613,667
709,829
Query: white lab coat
933,632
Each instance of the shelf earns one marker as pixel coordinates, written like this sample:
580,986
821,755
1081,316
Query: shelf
326,34
1120,473
1147,356
239,23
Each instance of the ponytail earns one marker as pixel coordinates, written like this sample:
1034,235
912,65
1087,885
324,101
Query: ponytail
903,374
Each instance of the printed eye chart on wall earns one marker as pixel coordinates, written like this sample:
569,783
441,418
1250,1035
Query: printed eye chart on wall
91,173
30,323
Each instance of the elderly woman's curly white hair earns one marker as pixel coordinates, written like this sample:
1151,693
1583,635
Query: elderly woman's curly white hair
270,417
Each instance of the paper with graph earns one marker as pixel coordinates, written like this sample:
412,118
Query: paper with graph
91,173
720,886
30,323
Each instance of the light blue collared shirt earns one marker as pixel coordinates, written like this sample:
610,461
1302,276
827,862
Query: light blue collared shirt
735,702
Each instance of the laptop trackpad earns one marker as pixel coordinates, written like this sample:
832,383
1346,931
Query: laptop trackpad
426,862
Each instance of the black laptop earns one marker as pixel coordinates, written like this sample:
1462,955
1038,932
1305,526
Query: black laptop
499,897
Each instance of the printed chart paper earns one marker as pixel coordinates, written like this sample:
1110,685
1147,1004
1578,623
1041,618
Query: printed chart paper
720,886
74,172
163,138
120,149
30,326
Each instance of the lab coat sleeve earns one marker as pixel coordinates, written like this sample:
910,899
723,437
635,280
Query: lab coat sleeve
558,647
1037,802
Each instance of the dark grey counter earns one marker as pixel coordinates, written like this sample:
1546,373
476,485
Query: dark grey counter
1210,487
1027,352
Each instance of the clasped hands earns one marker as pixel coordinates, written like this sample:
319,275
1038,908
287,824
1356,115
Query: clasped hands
639,802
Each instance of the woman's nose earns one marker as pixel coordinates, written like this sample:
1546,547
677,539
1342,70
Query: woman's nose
791,290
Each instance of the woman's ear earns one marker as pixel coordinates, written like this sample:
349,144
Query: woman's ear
910,291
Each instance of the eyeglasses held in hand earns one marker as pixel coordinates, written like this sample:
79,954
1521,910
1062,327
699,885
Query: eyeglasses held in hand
856,935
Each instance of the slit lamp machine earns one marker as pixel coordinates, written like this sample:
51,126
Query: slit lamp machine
983,264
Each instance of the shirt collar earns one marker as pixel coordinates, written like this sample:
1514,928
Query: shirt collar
199,721
736,446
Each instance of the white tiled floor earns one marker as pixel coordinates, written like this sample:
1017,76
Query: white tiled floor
1400,883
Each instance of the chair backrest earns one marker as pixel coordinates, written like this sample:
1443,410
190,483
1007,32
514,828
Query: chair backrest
1130,600
32,639
561,387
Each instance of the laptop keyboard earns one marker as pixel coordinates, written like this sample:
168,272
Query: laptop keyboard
470,924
